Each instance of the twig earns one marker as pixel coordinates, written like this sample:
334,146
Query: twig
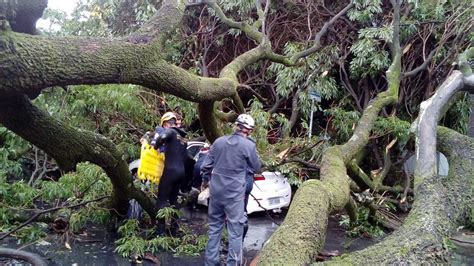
36,215
310,147
421,67
267,212
303,162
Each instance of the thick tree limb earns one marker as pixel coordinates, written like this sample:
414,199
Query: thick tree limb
29,64
209,121
426,123
420,67
229,72
439,208
22,14
302,234
440,205
69,146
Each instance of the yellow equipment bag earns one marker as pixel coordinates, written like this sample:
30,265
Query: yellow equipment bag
152,163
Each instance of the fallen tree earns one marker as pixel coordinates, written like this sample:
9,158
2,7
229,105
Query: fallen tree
303,232
30,63
420,239
441,204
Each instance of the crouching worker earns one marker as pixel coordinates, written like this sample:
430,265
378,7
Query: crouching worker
226,167
171,140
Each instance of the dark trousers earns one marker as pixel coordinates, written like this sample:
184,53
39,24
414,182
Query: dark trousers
168,190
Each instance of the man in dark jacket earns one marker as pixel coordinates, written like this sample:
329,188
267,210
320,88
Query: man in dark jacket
226,167
197,178
170,140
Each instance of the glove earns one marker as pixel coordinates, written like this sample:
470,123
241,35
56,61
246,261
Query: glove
204,185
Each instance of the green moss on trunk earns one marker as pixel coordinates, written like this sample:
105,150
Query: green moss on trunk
69,146
441,205
29,64
302,234
307,233
209,122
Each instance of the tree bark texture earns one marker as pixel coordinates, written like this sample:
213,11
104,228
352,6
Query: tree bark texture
426,125
295,244
29,64
290,245
440,207
22,14
69,146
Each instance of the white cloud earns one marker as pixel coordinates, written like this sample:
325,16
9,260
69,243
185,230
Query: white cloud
64,5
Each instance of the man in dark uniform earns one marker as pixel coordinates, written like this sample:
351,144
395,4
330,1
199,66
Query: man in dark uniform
170,140
226,167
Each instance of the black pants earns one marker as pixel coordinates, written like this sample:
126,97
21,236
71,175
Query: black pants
168,190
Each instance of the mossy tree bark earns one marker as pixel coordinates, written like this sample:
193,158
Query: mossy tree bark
29,64
441,205
70,146
302,234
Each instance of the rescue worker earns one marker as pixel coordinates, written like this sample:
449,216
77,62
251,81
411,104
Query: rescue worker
170,140
226,167
248,189
179,120
197,178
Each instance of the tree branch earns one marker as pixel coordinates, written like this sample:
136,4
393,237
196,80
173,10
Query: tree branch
317,37
36,215
426,125
420,67
251,31
69,146
29,64
301,235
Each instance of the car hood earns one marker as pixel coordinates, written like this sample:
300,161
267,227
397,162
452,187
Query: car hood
134,165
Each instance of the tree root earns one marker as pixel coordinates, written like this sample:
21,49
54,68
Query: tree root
32,258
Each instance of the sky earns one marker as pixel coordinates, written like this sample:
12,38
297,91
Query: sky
64,5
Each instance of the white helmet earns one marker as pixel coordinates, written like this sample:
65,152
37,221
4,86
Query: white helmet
245,121
167,117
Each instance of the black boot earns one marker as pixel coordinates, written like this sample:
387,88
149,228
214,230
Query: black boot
246,228
174,228
160,228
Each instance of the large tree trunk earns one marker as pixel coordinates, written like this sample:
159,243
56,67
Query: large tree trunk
29,64
301,236
70,146
441,206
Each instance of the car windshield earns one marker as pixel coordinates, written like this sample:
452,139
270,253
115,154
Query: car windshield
194,149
